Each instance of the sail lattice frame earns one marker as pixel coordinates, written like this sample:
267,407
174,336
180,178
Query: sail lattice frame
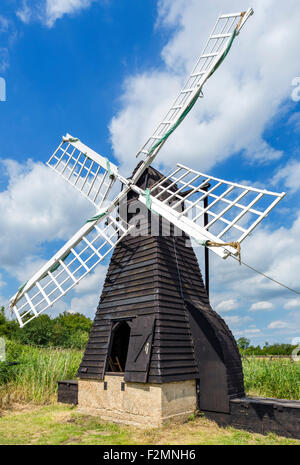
232,212
83,168
218,41
80,255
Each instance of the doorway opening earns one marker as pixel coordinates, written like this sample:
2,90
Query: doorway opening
119,347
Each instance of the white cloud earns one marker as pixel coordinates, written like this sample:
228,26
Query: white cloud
227,305
278,324
4,24
92,282
37,210
261,306
292,303
48,11
294,119
2,283
240,99
86,304
290,176
25,12
252,331
249,332
55,9
236,320
4,59
273,252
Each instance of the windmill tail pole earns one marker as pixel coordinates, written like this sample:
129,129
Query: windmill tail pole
235,245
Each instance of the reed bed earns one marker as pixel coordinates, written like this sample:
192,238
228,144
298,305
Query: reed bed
34,378
278,378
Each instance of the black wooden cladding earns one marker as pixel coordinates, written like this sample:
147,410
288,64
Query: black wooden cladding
157,281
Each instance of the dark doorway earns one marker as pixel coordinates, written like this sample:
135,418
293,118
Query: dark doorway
119,347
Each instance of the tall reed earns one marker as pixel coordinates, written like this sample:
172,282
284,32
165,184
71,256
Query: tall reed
35,377
272,378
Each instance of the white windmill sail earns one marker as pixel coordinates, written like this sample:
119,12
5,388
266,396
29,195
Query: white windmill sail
215,51
86,170
233,209
78,257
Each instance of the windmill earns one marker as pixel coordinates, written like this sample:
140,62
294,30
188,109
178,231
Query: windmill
215,213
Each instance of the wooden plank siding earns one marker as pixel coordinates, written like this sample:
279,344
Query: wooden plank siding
159,275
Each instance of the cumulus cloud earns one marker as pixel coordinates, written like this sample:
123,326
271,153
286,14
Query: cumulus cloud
92,282
55,9
292,303
37,209
86,304
227,305
261,306
289,175
237,320
48,11
240,100
273,252
278,324
253,332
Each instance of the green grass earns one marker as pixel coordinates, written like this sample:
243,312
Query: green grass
272,378
61,425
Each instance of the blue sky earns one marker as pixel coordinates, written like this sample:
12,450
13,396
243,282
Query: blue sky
106,71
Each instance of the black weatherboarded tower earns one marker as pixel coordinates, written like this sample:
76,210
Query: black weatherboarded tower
154,326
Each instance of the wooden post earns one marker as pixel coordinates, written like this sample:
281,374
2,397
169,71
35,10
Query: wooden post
206,251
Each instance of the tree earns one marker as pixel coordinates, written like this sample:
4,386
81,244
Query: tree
71,330
8,328
38,332
243,343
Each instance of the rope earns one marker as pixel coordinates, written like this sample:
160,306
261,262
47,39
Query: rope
234,245
196,96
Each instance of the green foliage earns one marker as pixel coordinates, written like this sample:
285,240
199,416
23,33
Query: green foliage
243,343
12,354
38,332
8,328
71,330
34,378
267,349
272,378
78,339
68,330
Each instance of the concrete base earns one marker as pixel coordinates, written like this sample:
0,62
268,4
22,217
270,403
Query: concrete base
139,404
